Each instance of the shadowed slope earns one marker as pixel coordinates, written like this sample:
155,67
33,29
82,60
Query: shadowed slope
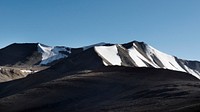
82,61
109,89
20,54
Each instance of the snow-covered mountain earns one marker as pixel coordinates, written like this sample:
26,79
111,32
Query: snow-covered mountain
132,54
30,54
139,54
134,75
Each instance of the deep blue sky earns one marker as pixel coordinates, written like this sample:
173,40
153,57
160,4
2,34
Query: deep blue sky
172,26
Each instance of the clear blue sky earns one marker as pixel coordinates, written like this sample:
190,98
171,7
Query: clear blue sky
172,26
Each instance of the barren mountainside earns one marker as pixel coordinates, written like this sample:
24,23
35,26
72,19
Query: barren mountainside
106,89
132,54
104,77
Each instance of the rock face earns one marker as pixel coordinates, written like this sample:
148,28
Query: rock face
11,73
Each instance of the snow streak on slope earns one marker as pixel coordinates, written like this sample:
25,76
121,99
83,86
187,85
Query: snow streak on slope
109,54
50,54
139,58
167,61
170,62
144,56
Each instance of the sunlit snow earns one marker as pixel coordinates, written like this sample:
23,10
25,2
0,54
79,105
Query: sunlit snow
109,53
50,54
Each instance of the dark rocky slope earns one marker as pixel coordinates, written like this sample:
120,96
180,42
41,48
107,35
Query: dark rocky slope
108,89
20,54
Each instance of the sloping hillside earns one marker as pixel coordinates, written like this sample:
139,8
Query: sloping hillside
107,89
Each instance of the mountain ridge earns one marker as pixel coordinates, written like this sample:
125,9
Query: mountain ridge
132,54
100,78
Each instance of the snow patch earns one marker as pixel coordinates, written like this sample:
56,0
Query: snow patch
27,71
137,57
109,53
50,54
